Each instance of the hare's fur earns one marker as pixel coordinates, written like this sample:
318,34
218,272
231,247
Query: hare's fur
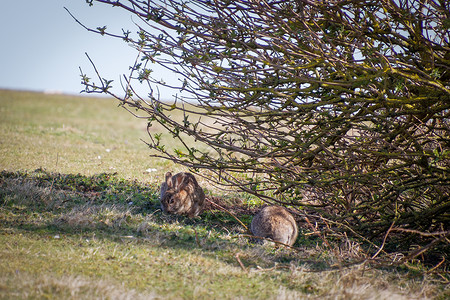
276,223
181,194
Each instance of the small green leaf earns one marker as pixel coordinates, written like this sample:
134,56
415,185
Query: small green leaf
102,30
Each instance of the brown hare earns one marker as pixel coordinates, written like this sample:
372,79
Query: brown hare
276,223
180,194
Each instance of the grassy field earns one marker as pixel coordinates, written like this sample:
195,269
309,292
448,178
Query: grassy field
72,135
79,219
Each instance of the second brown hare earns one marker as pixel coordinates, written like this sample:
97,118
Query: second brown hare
181,194
276,223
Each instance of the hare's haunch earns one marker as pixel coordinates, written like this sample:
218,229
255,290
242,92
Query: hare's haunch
276,223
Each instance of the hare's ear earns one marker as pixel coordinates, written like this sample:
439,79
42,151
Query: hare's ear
169,179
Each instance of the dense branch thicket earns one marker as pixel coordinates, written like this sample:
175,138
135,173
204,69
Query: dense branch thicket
338,107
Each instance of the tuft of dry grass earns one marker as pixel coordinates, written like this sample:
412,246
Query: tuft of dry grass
21,285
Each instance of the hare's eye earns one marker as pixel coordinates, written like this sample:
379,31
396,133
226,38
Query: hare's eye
171,201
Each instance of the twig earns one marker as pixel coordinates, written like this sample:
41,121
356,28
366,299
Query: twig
384,240
436,266
196,239
420,232
423,249
323,238
96,71
270,240
240,262
90,29
339,224
229,212
317,232
445,280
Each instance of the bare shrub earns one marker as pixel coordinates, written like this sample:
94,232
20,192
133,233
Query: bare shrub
339,108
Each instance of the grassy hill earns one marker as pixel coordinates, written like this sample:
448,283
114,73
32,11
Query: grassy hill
80,219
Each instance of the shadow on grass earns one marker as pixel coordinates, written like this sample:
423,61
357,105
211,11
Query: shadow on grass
119,210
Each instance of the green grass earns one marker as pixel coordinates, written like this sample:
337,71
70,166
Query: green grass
73,135
75,226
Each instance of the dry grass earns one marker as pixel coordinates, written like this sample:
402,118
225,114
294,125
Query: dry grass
25,286
66,243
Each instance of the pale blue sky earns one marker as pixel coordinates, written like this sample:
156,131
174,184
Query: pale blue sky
42,47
